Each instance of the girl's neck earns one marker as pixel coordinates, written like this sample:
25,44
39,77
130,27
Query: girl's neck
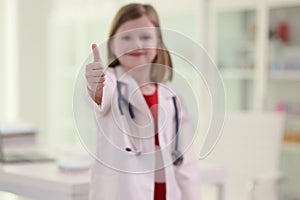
148,89
141,74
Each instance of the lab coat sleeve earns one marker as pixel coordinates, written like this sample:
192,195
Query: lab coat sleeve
108,91
187,174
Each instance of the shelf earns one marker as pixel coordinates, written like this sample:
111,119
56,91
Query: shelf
237,74
282,4
285,75
291,147
293,116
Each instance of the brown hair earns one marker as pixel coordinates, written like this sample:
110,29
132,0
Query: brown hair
135,11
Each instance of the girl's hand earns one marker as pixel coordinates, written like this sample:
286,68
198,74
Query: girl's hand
95,76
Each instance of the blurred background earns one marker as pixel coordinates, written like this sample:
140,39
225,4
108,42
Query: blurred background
255,44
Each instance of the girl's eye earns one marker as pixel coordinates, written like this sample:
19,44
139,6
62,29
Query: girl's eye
126,38
145,37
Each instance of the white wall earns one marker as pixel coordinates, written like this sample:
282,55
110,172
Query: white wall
1,60
9,59
32,61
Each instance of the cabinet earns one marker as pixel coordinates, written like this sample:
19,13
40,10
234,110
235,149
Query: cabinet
238,44
256,46
284,66
235,55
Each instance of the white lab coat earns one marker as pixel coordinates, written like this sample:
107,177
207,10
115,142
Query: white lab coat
108,179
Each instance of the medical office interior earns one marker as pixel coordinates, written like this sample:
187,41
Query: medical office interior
254,43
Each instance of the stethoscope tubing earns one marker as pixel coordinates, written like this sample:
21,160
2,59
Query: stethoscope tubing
178,158
176,122
121,98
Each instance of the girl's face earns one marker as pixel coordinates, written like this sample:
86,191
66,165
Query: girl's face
135,43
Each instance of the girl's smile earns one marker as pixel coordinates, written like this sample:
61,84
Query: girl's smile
137,54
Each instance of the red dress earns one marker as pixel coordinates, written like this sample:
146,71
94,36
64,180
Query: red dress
152,101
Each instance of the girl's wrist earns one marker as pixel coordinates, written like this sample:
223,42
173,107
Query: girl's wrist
96,93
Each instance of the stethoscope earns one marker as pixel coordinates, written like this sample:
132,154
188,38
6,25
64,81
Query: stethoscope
176,154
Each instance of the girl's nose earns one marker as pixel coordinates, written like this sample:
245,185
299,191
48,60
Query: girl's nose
137,43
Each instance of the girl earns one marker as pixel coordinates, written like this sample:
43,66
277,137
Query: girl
142,123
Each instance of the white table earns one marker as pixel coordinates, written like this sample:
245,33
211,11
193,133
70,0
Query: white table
216,175
44,181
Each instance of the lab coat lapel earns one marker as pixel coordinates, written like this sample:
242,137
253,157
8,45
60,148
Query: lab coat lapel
141,126
165,91
165,109
137,100
134,95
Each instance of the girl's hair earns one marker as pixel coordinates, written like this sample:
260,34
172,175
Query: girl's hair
134,11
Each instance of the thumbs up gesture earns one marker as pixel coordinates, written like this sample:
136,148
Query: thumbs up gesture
95,76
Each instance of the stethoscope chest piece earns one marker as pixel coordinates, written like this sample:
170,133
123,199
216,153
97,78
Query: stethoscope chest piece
177,158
